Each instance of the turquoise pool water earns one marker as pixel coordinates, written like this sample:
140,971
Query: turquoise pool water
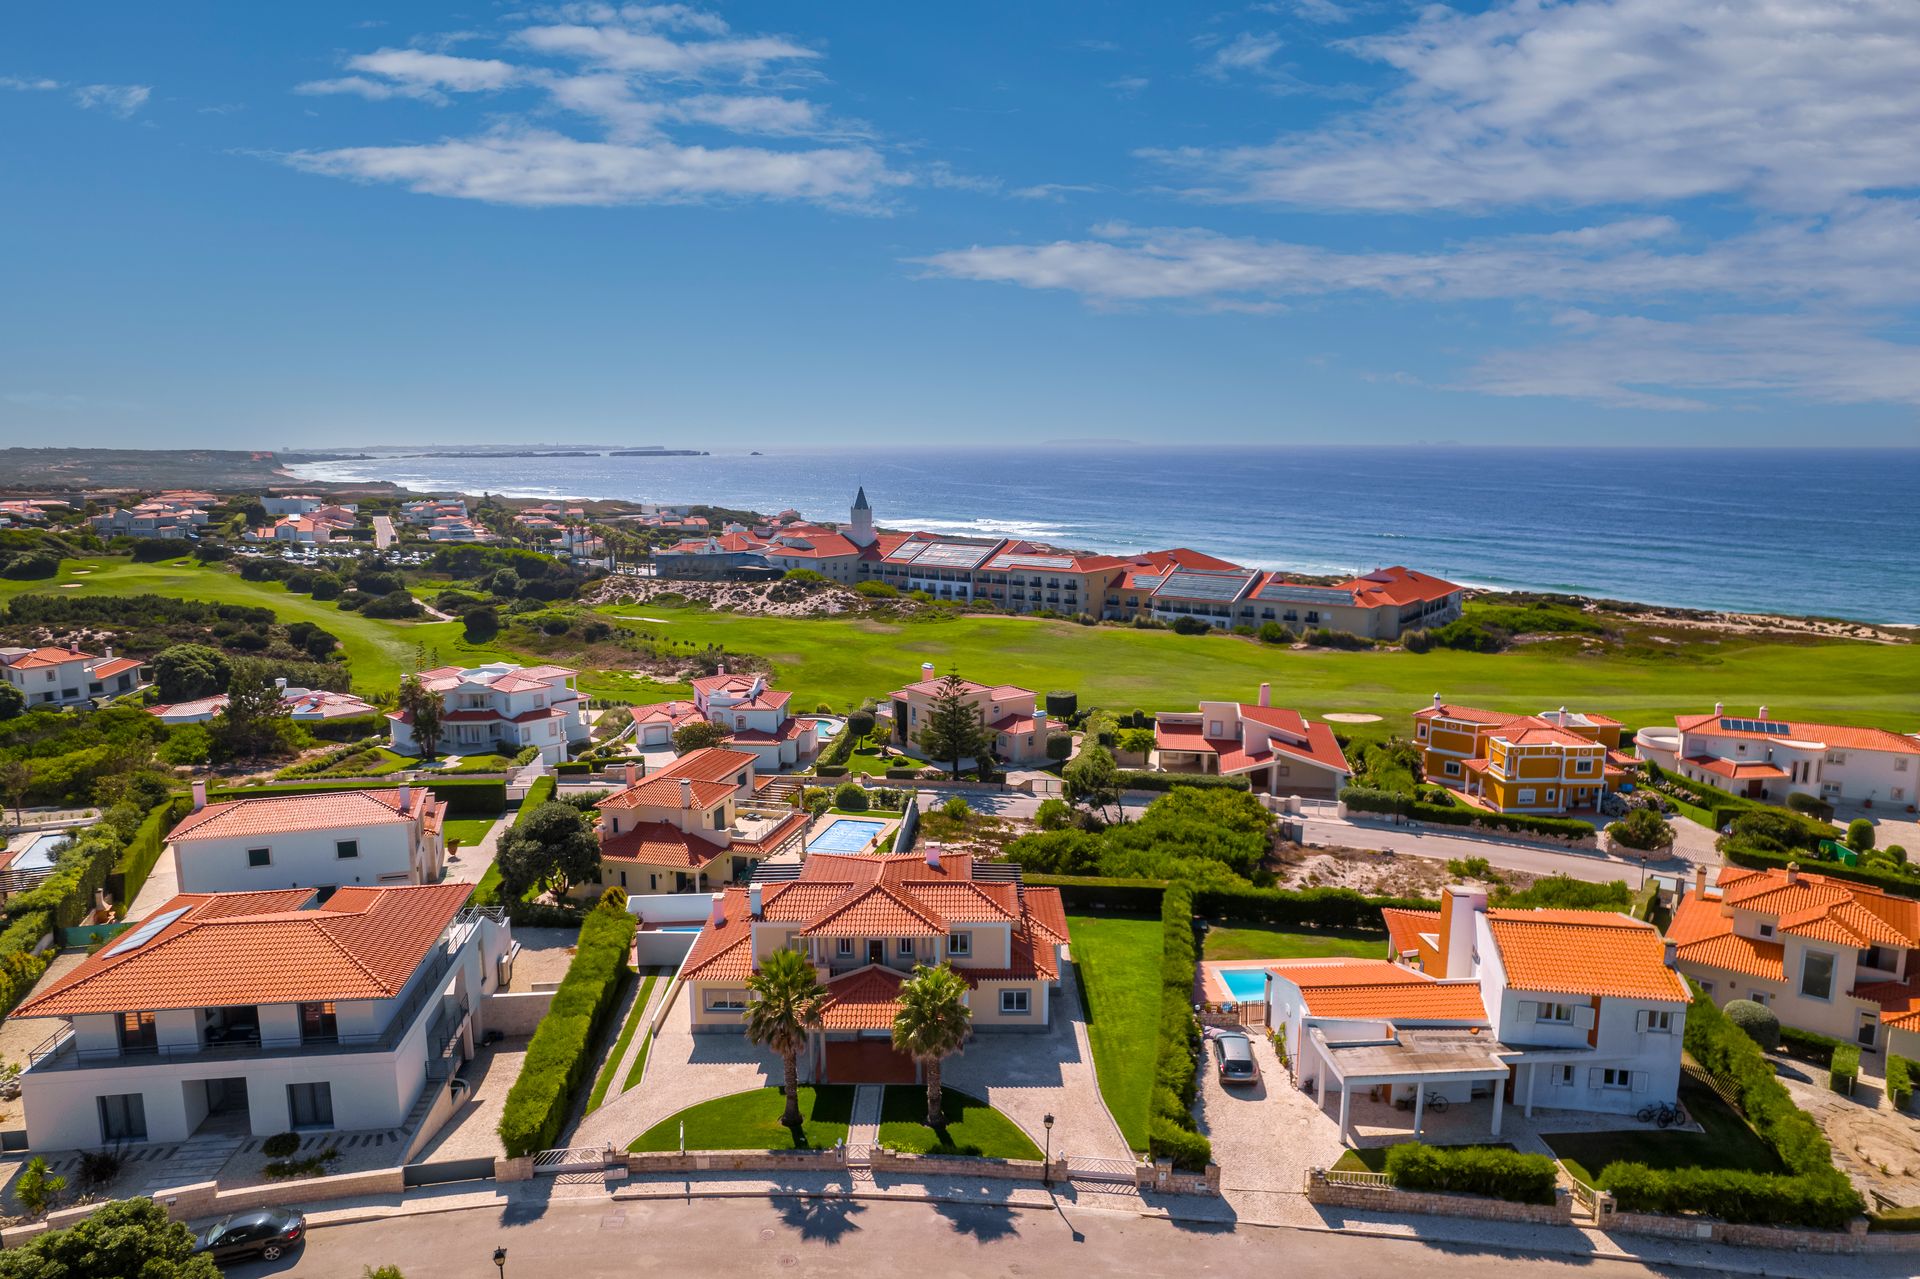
1246,985
846,835
826,729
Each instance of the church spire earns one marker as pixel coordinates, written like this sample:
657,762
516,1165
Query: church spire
860,500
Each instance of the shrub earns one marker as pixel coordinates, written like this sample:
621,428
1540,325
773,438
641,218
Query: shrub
280,1145
1473,1170
1844,1071
876,590
1171,1131
859,724
851,796
1756,1021
1139,779
1902,1073
559,1054
1859,834
1644,829
1274,633
1810,805
1053,814
1816,1048
830,770
1059,746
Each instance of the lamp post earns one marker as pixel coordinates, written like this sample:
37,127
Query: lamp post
500,1261
1046,1166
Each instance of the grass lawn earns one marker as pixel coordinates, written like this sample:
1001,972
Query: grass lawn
1118,958
604,1080
468,830
751,1121
1726,1143
844,661
972,1128
1281,943
1374,1158
487,891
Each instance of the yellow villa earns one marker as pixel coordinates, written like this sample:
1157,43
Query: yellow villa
1558,762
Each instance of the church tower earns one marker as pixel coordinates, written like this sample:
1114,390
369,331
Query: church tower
859,529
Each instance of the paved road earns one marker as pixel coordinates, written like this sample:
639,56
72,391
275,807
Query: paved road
1442,845
383,535
588,1239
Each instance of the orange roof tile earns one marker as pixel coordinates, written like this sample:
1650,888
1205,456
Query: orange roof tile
1308,973
1702,935
879,909
710,764
660,844
865,999
662,791
1584,952
1398,1001
1405,926
1833,736
1899,1001
288,814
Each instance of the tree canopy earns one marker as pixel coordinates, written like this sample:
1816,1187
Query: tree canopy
187,672
697,736
953,730
129,1239
552,846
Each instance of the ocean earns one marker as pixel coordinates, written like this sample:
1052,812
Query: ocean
1829,533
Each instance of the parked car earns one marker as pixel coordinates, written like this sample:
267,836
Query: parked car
268,1234
1233,1054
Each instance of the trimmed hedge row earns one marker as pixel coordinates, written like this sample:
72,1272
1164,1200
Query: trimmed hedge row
1094,892
1141,779
1361,799
1815,1047
137,859
1902,1073
541,792
558,1055
1170,1130
1895,882
1304,907
465,797
1844,1070
1811,1193
1473,1170
350,728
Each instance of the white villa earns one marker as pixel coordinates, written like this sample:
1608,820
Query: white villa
66,676
757,719
323,840
349,1015
500,706
1277,750
1770,759
1568,1009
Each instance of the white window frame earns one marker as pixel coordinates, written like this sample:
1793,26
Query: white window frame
1554,1014
1016,1003
845,948
726,1001
1562,1077
904,946
341,847
960,944
1833,974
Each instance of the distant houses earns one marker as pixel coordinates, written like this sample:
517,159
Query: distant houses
173,516
692,826
1277,750
500,706
55,677
1011,713
1555,763
1759,757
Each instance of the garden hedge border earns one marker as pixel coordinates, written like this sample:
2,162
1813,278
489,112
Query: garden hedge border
1473,1170
465,797
1171,1132
1361,799
1900,885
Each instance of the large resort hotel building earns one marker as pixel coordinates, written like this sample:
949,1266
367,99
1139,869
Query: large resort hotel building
1021,576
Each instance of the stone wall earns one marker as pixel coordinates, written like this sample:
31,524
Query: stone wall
206,1199
516,1015
1854,1239
1388,1199
1162,1177
908,1165
831,1160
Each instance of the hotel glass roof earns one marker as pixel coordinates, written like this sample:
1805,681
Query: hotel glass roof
1194,584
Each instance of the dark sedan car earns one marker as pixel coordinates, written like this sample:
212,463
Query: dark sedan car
268,1234
1233,1053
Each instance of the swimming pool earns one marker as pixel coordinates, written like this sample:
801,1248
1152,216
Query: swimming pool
39,851
1246,985
846,835
826,729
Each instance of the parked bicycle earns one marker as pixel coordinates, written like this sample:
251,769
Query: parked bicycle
1662,1114
1436,1103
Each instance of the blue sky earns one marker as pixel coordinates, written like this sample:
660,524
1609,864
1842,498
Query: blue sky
1640,222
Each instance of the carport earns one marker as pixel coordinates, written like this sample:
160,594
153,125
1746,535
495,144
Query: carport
1419,1059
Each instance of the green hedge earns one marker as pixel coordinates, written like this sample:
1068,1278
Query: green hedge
19,970
1902,1073
541,792
465,797
1361,799
1844,1071
574,768
560,1052
1170,1131
137,859
1093,892
1303,907
1816,1048
1896,882
830,770
1141,779
1473,1170
350,728
1811,1193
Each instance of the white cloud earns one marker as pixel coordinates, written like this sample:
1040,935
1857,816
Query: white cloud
122,100
649,53
1054,191
1128,86
1245,52
372,90
1321,11
437,70
27,86
541,168
1793,104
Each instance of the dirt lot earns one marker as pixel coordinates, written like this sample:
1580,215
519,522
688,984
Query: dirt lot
1372,872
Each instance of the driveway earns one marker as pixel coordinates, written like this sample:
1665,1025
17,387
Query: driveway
1028,1076
1265,1136
473,1131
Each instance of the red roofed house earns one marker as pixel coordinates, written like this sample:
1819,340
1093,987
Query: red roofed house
757,719
692,826
67,676
1383,604
321,839
866,922
1552,763
501,707
1018,722
265,1012
1278,751
1763,758
1568,1009
1833,957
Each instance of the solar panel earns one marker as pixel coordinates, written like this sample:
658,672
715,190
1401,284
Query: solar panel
1050,562
952,555
1770,728
1298,593
146,932
906,552
1196,585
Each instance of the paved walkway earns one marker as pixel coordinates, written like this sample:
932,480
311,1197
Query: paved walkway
865,1128
474,859
1027,1076
163,881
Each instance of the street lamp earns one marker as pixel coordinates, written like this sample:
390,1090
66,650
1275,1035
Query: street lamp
1046,1167
500,1261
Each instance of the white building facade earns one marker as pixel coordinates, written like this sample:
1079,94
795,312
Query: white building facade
1770,759
502,707
321,840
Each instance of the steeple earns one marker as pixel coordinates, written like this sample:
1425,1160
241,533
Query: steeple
860,500
859,529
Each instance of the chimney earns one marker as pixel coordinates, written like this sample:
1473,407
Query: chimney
1793,872
280,683
633,774
1459,903
406,796
199,796
1670,953
933,857
1763,712
719,916
753,900
109,651
721,669
1719,708
1436,701
1266,694
926,670
686,792
1699,881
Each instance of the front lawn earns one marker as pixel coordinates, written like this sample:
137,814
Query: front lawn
972,1128
1118,959
751,1121
468,830
1281,943
1727,1142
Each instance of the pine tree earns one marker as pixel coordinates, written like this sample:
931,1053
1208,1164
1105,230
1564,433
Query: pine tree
954,730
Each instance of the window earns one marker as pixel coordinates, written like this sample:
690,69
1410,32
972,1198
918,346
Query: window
1880,957
1453,768
257,857
1015,1003
1562,1077
1583,766
1549,795
1559,1014
727,1001
310,1105
123,1117
905,947
1613,1077
137,1032
1525,796
960,944
845,948
1869,1027
1816,975
1656,1023
345,848
318,1025
1766,930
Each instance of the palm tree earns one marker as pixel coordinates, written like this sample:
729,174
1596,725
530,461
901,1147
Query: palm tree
785,1010
932,1024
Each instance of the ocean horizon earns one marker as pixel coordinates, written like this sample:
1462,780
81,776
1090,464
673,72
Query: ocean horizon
1799,532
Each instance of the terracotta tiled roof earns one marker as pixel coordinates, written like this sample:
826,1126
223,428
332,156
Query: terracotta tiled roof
1470,714
49,657
1398,585
1703,936
228,949
1429,1001
865,999
660,844
1739,770
1046,909
288,814
879,910
115,665
1833,736
723,953
665,791
1584,952
710,764
1899,1001
964,902
1405,926
1866,915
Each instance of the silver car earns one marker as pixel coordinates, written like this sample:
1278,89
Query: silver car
1233,1054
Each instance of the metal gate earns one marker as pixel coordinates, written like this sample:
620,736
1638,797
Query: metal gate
571,1159
1088,1168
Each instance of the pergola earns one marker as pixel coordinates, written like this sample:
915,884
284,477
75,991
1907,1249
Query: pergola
1415,1057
